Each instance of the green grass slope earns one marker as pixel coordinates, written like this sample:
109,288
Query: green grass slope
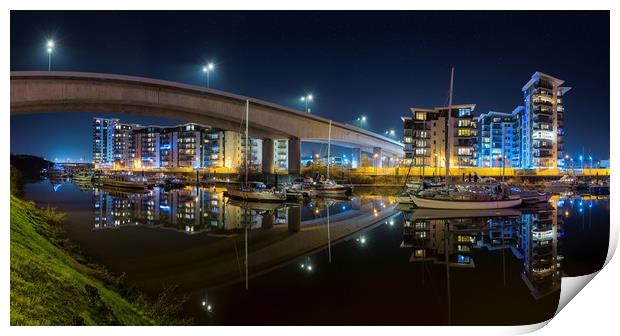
48,285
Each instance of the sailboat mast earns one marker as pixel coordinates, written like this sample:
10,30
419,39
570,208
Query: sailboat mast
329,146
247,144
449,126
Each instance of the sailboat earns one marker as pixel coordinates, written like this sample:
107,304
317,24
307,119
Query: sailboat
328,186
449,197
254,191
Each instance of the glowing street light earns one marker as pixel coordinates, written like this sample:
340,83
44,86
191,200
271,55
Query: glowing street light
50,49
581,159
390,132
306,99
590,157
207,69
361,120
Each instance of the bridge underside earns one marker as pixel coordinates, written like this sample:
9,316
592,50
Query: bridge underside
43,92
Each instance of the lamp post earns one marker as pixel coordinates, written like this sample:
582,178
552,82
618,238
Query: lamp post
591,165
50,49
581,160
361,120
306,99
207,69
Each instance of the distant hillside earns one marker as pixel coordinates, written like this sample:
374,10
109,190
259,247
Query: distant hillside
29,165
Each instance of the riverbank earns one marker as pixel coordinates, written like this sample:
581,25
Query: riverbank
52,285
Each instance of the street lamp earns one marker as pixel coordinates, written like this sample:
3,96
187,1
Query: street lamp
361,120
207,69
581,159
591,165
306,99
50,49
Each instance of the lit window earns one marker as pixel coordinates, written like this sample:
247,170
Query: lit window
464,112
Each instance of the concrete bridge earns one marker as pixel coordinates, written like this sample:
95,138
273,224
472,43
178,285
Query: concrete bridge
42,92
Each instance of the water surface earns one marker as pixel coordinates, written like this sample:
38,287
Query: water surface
357,261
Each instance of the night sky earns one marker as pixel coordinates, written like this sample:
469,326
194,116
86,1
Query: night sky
376,64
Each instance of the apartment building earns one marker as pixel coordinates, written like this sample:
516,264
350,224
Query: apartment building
542,122
427,131
103,142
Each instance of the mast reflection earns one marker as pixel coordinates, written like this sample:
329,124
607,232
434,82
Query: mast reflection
449,238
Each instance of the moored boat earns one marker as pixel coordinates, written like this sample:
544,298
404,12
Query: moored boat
457,202
300,191
125,181
257,192
330,187
83,176
564,182
530,196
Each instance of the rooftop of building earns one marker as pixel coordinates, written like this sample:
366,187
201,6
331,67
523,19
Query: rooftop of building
501,114
541,75
437,109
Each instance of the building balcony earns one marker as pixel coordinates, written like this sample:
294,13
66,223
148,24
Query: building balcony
546,110
542,153
421,127
466,155
538,102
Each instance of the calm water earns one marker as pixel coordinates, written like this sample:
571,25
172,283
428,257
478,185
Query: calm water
352,261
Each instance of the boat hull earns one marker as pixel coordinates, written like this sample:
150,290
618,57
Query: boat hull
124,185
464,205
335,191
256,196
404,199
543,198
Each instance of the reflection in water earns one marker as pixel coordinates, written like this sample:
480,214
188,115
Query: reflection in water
500,267
191,210
450,238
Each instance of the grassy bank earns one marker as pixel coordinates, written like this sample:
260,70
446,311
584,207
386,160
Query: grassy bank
52,285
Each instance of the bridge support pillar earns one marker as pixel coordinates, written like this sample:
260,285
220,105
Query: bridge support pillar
294,219
268,158
377,157
267,222
356,157
294,156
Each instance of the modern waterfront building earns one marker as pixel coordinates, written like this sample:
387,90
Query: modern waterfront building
425,136
542,123
531,136
499,139
148,143
120,145
234,150
124,149
103,142
183,146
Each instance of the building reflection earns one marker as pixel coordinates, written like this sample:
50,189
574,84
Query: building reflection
190,210
450,237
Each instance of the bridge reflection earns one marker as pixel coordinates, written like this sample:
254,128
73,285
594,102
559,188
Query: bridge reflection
259,236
